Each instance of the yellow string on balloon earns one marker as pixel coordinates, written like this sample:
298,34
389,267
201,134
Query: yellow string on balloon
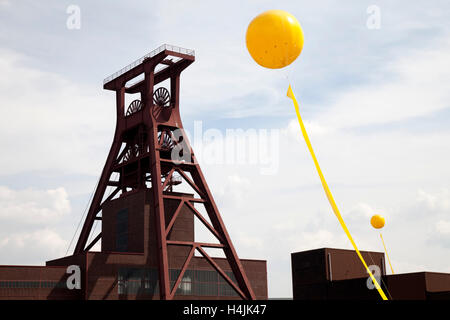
389,260
290,94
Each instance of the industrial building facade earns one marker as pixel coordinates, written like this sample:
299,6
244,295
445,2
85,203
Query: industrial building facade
148,244
126,268
337,274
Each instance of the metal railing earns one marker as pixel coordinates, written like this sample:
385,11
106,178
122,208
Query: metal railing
149,55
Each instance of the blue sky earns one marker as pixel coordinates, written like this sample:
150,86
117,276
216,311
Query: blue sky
375,102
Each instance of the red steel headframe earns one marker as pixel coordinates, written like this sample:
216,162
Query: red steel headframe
143,129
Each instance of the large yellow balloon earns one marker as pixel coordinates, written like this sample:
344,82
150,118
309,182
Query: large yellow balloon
377,221
274,39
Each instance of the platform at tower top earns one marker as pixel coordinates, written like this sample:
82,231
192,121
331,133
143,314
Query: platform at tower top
164,47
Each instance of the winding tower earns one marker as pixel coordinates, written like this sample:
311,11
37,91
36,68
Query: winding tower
151,154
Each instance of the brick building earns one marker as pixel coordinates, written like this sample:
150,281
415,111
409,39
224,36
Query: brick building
336,274
125,267
148,244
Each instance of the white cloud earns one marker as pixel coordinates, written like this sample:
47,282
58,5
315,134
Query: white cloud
437,202
443,227
232,193
31,223
49,123
31,247
395,173
412,85
33,206
312,128
359,215
308,240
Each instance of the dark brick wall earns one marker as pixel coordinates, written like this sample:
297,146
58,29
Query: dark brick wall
142,218
100,269
35,283
345,264
408,286
134,203
312,278
319,274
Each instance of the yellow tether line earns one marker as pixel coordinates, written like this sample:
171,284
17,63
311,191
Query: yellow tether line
290,94
381,236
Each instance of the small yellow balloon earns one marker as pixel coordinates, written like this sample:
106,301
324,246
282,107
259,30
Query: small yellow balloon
274,39
377,221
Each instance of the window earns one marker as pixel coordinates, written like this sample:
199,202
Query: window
122,231
185,287
120,284
193,283
12,284
138,281
224,288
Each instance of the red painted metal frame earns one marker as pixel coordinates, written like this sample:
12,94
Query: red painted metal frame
151,162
